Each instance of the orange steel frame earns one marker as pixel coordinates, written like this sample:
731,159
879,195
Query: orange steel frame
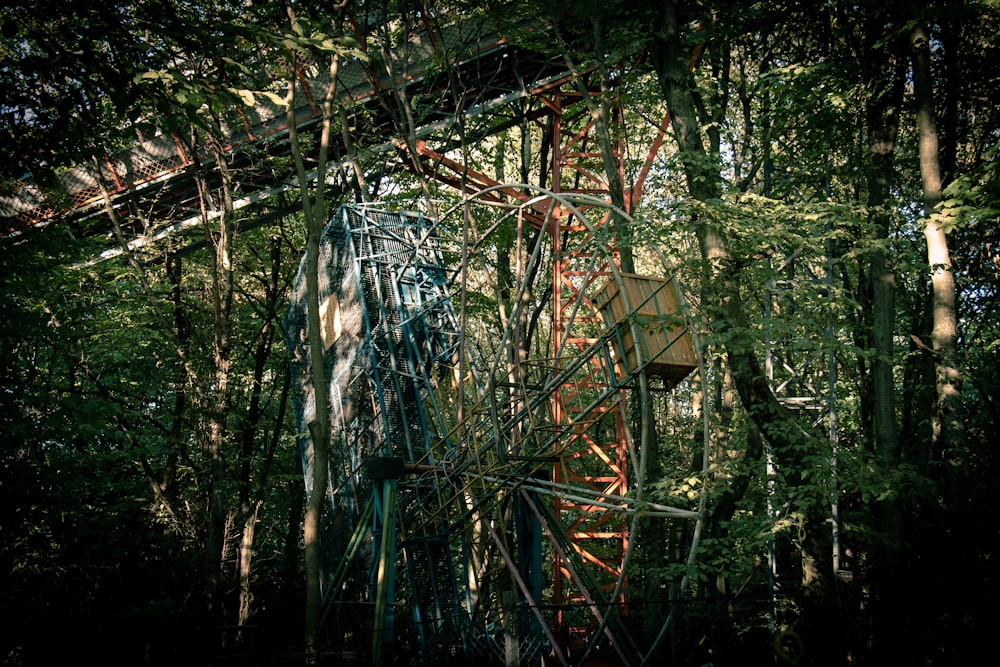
590,456
595,453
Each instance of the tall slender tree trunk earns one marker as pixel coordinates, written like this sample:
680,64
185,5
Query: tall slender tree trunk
314,210
949,420
955,602
245,561
216,431
319,428
731,490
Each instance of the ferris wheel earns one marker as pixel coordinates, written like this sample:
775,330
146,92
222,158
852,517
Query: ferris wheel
488,364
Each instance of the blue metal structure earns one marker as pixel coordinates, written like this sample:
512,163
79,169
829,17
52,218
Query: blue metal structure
390,337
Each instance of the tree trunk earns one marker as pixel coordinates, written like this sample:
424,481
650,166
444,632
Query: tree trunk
731,491
949,421
603,113
314,211
245,560
215,428
951,545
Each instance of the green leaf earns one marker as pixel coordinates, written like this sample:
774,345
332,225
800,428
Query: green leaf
274,97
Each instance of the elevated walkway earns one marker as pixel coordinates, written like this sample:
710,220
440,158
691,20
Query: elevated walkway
153,187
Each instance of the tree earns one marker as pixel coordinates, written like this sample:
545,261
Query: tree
314,209
949,427
794,447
